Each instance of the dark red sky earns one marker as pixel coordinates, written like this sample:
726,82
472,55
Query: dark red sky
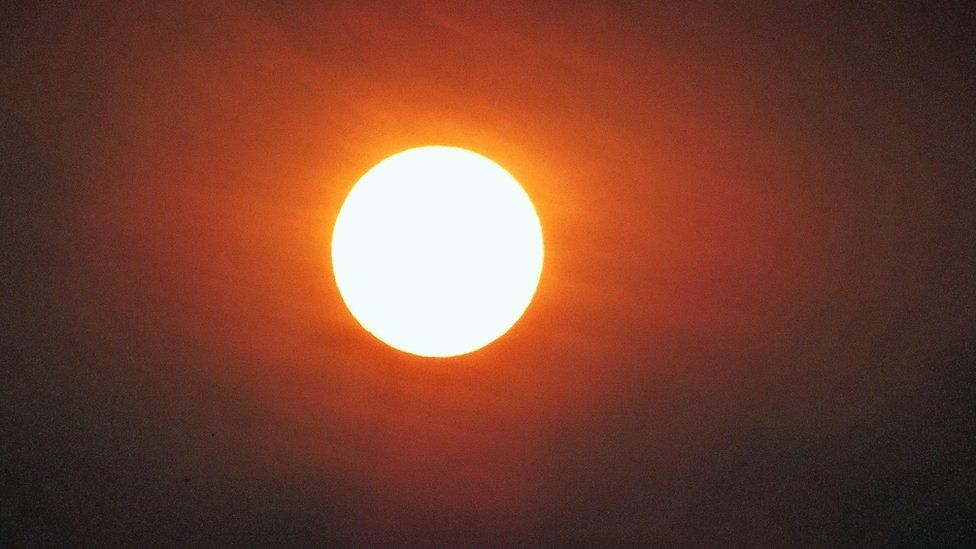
755,324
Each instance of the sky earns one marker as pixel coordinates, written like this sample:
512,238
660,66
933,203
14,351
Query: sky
754,327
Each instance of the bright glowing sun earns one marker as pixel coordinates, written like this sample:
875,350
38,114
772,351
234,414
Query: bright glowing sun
437,251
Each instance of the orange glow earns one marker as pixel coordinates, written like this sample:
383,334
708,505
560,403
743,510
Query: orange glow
684,222
437,251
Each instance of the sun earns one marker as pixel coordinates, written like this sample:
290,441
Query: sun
437,251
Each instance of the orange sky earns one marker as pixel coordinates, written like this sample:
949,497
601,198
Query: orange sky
755,226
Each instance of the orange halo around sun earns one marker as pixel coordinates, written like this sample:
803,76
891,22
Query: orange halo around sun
437,251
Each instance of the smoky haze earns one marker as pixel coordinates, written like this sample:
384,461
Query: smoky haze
755,322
